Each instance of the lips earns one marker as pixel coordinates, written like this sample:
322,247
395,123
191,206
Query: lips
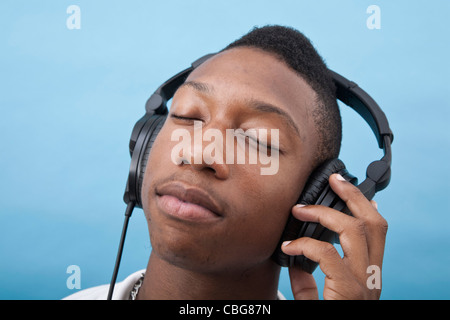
184,201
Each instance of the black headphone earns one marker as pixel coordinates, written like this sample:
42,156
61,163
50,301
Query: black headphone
316,190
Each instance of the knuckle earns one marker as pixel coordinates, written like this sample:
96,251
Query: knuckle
359,227
383,225
328,249
379,224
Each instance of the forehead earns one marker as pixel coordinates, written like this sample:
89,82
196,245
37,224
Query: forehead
250,73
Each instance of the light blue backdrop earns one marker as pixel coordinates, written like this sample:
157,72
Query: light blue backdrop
69,99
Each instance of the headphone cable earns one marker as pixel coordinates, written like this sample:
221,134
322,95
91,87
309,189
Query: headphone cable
128,213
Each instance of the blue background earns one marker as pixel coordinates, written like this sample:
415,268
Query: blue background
69,99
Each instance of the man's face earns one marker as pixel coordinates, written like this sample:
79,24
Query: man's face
239,88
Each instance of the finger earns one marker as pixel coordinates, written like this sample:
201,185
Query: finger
303,284
351,231
358,204
324,253
365,210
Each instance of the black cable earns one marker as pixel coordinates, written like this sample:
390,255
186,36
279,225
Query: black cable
128,213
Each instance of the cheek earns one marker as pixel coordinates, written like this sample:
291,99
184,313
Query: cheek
260,233
264,206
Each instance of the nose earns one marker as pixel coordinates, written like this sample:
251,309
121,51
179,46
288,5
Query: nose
206,153
208,163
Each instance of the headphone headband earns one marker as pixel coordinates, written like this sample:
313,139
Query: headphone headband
356,98
378,173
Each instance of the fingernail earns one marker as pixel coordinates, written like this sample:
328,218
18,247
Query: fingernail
375,204
300,205
285,243
339,177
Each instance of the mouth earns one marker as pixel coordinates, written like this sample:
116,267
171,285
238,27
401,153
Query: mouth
186,202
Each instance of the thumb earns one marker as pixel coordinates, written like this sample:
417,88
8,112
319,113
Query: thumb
303,285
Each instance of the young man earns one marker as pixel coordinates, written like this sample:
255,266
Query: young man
214,225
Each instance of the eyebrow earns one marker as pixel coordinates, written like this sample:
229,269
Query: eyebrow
269,108
254,104
198,86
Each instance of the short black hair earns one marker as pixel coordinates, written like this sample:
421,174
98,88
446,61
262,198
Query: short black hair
296,50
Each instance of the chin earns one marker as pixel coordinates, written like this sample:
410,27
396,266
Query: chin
185,254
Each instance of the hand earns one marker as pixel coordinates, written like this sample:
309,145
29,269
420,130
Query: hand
362,238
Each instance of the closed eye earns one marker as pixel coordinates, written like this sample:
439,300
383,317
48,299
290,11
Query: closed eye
175,116
257,143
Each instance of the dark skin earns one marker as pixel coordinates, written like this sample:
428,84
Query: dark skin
230,257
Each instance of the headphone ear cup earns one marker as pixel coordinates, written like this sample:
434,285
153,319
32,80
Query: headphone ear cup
318,181
154,129
316,186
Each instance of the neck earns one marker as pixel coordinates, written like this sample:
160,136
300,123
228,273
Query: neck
165,281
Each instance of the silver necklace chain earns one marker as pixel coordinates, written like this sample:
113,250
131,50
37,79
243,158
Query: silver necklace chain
134,292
